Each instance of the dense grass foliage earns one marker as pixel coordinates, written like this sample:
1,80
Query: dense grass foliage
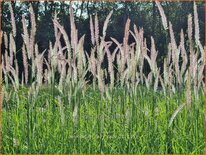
68,100
123,121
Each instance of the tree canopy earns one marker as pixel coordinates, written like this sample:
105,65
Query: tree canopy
143,14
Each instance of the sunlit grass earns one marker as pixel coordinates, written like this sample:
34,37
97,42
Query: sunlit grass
124,121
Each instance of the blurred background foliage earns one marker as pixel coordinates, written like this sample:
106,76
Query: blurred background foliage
143,14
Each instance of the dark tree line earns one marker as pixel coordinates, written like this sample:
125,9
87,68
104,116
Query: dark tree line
143,14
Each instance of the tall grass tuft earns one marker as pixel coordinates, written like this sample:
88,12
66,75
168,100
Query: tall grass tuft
54,109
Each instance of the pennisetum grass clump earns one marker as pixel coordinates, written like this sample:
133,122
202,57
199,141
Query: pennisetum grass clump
111,114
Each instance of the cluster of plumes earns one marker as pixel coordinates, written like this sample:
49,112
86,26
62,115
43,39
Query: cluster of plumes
125,64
